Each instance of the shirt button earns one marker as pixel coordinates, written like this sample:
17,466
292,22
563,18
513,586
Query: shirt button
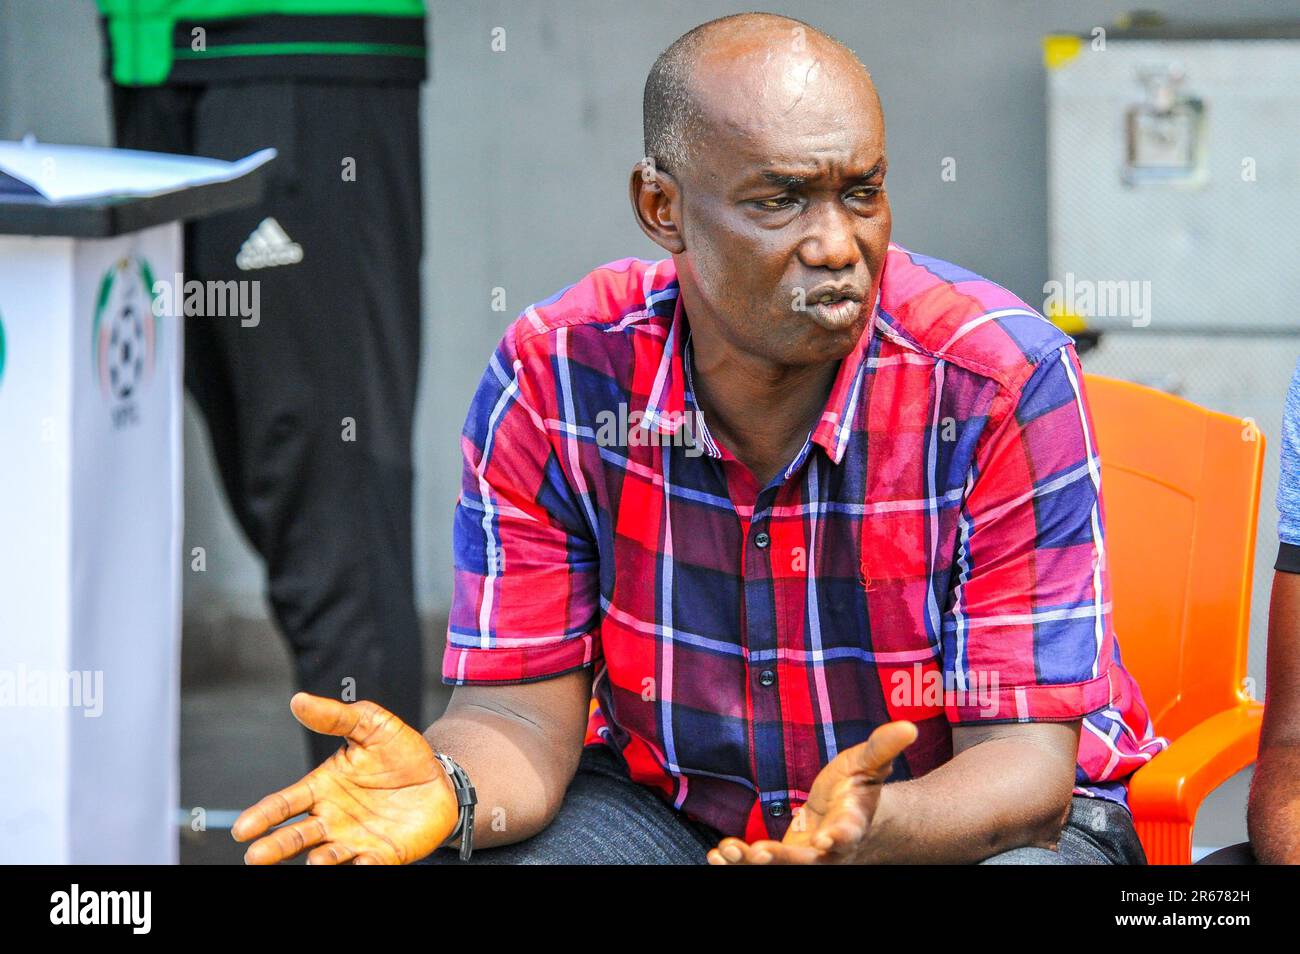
762,540
776,809
766,678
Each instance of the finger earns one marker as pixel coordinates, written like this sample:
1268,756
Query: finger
358,722
875,757
846,822
367,858
767,852
331,854
801,855
780,853
759,853
284,843
275,808
731,851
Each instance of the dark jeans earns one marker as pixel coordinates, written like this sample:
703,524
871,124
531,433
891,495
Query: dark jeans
607,818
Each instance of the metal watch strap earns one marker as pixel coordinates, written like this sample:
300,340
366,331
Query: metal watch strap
466,799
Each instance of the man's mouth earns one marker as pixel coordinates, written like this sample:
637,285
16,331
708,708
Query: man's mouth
834,309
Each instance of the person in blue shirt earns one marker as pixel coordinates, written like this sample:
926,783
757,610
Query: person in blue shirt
1273,817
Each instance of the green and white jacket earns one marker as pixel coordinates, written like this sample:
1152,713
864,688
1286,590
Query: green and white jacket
156,42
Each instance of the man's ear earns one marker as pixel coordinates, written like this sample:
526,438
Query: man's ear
655,195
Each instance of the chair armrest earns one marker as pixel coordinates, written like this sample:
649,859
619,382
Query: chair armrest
1171,787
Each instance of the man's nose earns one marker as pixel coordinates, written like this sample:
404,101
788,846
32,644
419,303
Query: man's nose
831,242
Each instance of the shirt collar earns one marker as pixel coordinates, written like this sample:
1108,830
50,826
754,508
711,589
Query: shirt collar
666,403
836,423
670,401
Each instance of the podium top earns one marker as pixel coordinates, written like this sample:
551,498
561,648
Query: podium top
103,218
86,192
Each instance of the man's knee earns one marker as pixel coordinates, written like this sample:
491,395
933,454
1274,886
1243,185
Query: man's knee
606,818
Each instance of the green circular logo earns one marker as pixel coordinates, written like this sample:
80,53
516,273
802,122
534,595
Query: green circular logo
124,334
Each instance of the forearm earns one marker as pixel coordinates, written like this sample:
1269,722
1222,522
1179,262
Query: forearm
519,767
1273,817
995,796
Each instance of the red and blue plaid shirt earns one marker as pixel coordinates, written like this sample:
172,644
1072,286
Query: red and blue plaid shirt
933,553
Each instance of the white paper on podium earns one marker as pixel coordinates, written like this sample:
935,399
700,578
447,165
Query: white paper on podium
82,173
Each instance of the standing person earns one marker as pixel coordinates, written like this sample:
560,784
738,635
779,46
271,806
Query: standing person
309,407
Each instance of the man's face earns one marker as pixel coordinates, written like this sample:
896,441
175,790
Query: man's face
783,208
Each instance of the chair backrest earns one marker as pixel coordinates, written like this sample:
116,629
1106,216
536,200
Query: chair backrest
1180,494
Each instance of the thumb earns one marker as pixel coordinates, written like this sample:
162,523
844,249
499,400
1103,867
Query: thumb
357,722
875,757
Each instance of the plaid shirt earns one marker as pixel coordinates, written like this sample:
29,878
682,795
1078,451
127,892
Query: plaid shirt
933,553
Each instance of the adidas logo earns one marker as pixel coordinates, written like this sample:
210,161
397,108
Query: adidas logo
268,245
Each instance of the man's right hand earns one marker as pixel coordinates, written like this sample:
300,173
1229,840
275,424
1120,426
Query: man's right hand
383,799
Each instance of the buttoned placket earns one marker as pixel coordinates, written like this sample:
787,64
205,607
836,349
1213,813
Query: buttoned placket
760,630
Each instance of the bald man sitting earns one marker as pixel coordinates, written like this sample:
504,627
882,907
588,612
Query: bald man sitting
815,519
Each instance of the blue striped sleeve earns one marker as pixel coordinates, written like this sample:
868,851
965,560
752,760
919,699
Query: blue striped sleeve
1288,487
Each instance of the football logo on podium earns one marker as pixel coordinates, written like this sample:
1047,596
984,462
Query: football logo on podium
124,336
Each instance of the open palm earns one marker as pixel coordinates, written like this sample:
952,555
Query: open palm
383,799
836,820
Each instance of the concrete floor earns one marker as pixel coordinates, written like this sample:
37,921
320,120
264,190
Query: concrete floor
240,742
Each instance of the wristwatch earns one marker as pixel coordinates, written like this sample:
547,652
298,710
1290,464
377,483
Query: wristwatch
465,800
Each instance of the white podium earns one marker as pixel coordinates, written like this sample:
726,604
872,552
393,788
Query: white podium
90,524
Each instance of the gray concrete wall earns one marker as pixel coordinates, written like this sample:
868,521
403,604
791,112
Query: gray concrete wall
526,156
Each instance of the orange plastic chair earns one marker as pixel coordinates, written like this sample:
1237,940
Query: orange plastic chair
1180,486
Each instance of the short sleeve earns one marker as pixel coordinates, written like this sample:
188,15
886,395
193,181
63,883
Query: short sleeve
1027,632
525,604
1288,487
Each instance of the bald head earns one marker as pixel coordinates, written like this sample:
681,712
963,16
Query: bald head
737,57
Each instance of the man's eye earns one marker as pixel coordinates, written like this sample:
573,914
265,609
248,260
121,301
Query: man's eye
780,202
866,192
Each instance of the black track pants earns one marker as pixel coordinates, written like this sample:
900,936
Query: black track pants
334,355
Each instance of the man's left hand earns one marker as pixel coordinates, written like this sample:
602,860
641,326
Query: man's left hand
834,826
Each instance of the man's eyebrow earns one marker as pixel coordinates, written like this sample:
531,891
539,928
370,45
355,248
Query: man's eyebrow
785,180
789,180
877,170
